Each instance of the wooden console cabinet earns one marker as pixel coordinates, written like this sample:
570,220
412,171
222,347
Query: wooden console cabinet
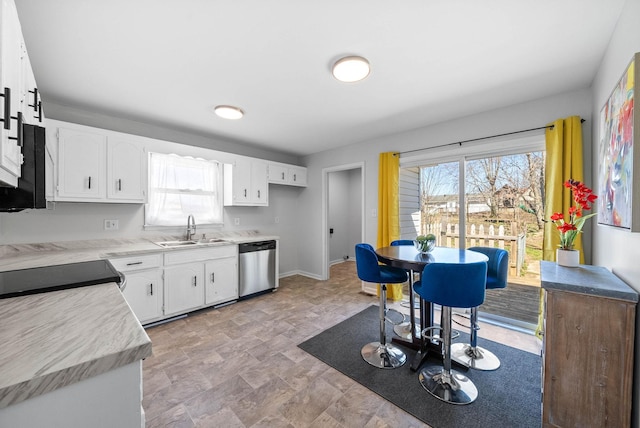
588,348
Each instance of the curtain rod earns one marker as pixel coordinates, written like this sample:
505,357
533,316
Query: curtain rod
459,143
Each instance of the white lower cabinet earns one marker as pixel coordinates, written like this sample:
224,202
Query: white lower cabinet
174,282
183,288
144,294
144,289
222,280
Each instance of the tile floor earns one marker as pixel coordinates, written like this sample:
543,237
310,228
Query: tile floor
239,365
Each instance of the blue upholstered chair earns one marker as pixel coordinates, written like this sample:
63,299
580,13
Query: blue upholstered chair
450,285
403,329
470,354
379,354
399,242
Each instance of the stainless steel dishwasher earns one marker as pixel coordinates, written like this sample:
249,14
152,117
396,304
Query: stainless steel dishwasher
257,267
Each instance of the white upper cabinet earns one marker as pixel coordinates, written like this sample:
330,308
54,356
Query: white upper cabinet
81,165
291,175
31,102
126,173
19,96
245,182
94,165
11,87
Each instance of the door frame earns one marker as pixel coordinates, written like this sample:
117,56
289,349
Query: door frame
325,209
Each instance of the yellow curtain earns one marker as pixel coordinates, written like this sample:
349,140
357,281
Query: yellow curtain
563,145
388,209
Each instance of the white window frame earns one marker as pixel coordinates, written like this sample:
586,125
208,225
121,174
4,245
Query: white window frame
204,187
473,151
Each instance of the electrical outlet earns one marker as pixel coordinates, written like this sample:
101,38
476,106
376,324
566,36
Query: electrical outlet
236,221
111,225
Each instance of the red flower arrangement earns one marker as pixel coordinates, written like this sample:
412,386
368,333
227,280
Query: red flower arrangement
569,230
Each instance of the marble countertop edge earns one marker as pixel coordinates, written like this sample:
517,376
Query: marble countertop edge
48,382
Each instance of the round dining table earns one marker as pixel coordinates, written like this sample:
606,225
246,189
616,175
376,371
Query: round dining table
409,258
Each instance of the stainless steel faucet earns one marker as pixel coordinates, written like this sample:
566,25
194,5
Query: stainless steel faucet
191,227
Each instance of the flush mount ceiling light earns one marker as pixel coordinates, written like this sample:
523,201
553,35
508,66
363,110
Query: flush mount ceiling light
351,69
228,112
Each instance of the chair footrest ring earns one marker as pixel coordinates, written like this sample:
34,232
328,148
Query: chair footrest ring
426,333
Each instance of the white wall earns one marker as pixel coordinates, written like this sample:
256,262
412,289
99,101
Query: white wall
354,226
338,214
512,118
344,213
614,248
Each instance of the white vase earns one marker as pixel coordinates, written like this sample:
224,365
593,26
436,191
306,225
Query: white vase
568,258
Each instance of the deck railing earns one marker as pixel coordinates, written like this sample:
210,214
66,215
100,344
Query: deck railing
448,235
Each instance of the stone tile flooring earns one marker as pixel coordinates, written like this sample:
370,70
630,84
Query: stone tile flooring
239,365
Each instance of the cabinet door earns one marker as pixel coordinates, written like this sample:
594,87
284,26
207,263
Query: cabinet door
183,288
222,280
125,170
298,176
82,160
32,104
259,183
144,294
11,55
277,174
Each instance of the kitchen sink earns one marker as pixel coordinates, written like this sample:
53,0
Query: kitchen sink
174,244
171,244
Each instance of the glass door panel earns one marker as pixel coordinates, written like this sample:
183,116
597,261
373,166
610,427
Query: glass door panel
504,209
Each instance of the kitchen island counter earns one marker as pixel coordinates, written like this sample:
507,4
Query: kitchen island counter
51,340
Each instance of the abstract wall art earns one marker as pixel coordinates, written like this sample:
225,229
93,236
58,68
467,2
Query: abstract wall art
618,158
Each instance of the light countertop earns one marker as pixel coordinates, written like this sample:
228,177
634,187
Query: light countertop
585,279
24,256
54,339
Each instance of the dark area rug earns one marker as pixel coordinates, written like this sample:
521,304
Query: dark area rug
507,397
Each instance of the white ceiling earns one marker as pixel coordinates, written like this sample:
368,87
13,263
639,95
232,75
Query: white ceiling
170,61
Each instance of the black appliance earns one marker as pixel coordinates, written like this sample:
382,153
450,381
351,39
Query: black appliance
30,192
58,277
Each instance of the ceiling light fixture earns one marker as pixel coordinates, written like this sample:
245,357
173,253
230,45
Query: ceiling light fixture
351,69
229,112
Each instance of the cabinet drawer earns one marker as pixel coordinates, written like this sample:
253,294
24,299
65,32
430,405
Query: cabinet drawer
128,264
200,254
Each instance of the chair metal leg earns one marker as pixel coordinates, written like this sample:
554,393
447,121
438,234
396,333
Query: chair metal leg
472,355
403,330
442,382
380,354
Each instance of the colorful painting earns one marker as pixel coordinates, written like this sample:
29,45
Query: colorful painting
616,169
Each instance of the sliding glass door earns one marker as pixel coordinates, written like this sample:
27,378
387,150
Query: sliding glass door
491,201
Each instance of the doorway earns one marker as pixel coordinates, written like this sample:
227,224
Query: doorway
342,213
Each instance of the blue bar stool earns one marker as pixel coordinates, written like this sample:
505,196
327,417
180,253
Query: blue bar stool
450,285
380,354
470,354
403,329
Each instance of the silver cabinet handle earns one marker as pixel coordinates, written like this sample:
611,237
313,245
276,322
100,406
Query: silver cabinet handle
213,278
119,184
195,281
294,177
245,193
283,175
258,194
89,182
134,263
151,288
